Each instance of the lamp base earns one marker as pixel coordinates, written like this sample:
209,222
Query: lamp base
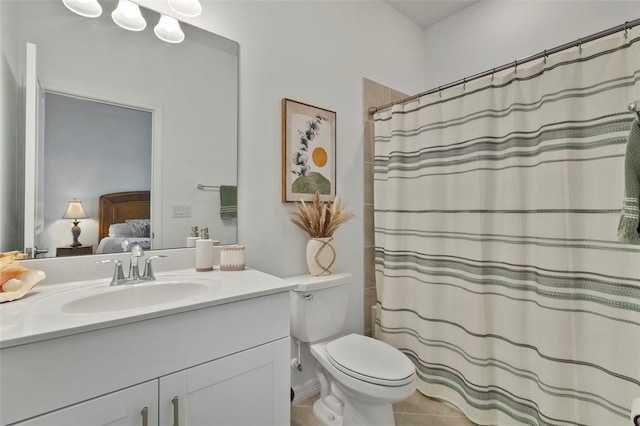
75,231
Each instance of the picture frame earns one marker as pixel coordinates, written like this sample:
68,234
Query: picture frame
308,152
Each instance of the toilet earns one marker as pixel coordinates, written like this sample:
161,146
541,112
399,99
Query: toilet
360,377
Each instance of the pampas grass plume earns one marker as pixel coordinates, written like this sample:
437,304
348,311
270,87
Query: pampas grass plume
320,219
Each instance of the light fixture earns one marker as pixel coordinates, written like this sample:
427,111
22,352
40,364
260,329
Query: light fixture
127,15
189,8
86,8
75,211
168,29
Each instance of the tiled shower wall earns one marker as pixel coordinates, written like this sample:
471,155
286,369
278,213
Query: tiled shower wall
373,94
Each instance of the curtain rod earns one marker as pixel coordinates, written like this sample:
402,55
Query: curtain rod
576,43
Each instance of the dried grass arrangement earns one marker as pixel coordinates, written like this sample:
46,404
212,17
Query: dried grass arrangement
321,218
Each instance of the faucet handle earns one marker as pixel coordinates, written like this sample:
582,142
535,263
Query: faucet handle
148,270
136,250
118,273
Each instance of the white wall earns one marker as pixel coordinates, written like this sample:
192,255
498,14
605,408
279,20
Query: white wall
491,33
10,224
315,52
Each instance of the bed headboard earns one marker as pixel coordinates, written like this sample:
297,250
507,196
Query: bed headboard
120,206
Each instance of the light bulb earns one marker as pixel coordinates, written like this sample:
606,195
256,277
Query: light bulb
86,8
127,15
168,29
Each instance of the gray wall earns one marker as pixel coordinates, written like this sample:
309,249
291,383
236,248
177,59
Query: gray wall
91,149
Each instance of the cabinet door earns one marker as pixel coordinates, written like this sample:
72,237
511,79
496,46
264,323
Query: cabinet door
248,388
121,408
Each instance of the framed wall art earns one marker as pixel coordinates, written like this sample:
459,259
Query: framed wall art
308,152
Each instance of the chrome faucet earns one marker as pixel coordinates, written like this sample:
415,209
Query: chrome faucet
134,269
147,275
118,275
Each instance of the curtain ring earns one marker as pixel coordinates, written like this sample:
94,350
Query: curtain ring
545,56
464,83
580,46
515,67
440,91
493,74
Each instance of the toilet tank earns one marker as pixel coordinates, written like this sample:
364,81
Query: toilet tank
318,306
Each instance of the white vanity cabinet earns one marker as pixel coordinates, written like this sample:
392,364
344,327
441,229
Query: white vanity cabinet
220,365
214,393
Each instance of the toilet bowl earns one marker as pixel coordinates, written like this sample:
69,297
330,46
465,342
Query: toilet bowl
360,377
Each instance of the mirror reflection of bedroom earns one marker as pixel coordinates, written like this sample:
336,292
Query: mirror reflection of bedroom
92,149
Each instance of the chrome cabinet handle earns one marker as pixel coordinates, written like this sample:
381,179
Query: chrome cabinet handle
145,416
308,297
176,411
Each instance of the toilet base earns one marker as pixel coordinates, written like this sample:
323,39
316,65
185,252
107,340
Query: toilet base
332,411
326,416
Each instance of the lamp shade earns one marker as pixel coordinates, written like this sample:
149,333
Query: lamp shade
189,8
75,211
168,29
86,8
127,15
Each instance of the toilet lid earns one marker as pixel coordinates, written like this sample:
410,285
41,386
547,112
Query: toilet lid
370,360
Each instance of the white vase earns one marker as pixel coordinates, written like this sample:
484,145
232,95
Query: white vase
320,256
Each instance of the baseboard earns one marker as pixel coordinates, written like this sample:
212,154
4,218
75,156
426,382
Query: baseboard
307,390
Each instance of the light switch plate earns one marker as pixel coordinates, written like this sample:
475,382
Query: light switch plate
181,210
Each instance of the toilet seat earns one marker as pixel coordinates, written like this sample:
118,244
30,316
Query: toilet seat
370,360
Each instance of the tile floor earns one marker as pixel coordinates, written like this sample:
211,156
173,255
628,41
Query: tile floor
417,410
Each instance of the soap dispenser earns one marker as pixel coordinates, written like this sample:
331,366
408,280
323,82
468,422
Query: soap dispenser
191,240
204,252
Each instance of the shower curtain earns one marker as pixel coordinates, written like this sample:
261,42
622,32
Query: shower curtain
497,265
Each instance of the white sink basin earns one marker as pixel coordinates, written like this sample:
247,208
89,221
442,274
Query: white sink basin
128,296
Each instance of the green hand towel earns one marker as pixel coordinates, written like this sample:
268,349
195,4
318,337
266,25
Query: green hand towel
228,202
629,221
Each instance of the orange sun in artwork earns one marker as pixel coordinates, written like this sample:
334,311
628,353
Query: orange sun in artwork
319,156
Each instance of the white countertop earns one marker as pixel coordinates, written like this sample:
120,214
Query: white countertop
38,316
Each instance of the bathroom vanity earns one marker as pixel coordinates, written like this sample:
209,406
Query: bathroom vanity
187,349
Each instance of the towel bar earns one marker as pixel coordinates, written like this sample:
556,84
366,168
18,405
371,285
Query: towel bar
203,187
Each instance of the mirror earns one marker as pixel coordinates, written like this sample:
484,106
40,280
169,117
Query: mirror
186,94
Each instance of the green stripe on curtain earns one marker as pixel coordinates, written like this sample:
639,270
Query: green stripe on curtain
498,268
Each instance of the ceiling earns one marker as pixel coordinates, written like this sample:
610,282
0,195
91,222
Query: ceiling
427,12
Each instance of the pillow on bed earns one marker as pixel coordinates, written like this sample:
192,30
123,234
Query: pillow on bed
120,230
140,228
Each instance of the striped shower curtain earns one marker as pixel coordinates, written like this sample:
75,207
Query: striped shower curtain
498,268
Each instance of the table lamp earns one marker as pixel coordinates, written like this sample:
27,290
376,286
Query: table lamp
75,211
